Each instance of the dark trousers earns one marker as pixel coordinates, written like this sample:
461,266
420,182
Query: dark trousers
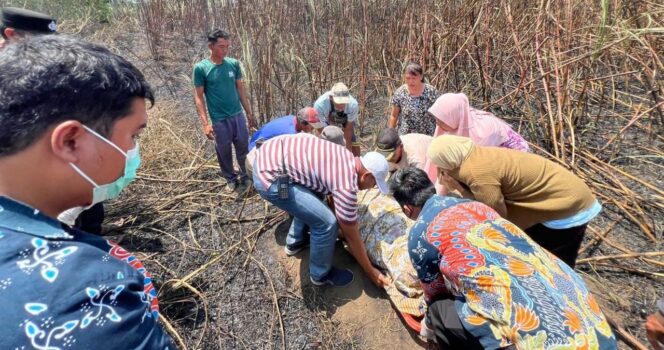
230,132
443,319
563,243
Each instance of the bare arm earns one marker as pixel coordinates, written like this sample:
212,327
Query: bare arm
655,329
451,184
245,102
199,98
351,234
348,135
394,117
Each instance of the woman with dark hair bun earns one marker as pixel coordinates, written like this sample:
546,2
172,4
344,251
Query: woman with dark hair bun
410,103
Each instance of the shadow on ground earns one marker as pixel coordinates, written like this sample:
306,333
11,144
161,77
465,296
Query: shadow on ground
362,307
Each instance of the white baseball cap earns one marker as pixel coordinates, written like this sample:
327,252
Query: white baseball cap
377,165
340,94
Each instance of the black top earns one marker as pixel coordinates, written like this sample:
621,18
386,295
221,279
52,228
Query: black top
32,21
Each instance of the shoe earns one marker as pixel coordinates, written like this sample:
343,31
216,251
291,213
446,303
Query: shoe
244,186
245,181
335,278
248,184
292,249
231,186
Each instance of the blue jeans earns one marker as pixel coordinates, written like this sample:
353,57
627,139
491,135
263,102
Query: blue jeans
229,132
307,210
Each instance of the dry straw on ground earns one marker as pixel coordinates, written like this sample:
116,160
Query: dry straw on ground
581,79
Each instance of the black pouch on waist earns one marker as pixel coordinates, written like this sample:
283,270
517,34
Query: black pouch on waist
283,181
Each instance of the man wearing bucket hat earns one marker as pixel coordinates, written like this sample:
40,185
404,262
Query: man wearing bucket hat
17,23
295,173
337,107
404,151
305,121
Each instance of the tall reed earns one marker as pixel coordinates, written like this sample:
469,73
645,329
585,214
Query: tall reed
574,76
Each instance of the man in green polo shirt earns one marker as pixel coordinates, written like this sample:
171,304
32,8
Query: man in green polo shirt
220,94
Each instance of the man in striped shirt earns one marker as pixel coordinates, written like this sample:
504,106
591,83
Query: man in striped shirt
317,168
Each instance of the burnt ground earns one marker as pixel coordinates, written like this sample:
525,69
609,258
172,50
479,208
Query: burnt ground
224,283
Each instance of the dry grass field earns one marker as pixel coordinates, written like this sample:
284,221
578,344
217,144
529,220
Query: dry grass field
580,79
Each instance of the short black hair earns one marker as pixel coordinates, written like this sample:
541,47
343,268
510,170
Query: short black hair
411,186
48,79
414,69
214,35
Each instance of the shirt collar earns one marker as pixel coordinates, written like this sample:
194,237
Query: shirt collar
443,202
430,202
20,217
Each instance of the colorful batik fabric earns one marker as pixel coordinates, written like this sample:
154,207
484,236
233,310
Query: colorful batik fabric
508,289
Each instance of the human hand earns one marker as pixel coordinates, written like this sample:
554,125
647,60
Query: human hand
251,121
449,182
208,131
378,278
655,330
425,331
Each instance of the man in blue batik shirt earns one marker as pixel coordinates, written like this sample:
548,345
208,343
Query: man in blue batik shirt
70,113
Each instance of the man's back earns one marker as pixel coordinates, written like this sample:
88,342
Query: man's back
415,148
507,288
319,165
281,126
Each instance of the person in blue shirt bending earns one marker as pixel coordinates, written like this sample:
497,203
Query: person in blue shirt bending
306,121
70,115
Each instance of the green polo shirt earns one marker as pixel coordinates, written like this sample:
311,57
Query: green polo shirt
221,95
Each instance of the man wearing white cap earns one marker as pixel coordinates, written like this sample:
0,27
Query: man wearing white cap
337,107
295,174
